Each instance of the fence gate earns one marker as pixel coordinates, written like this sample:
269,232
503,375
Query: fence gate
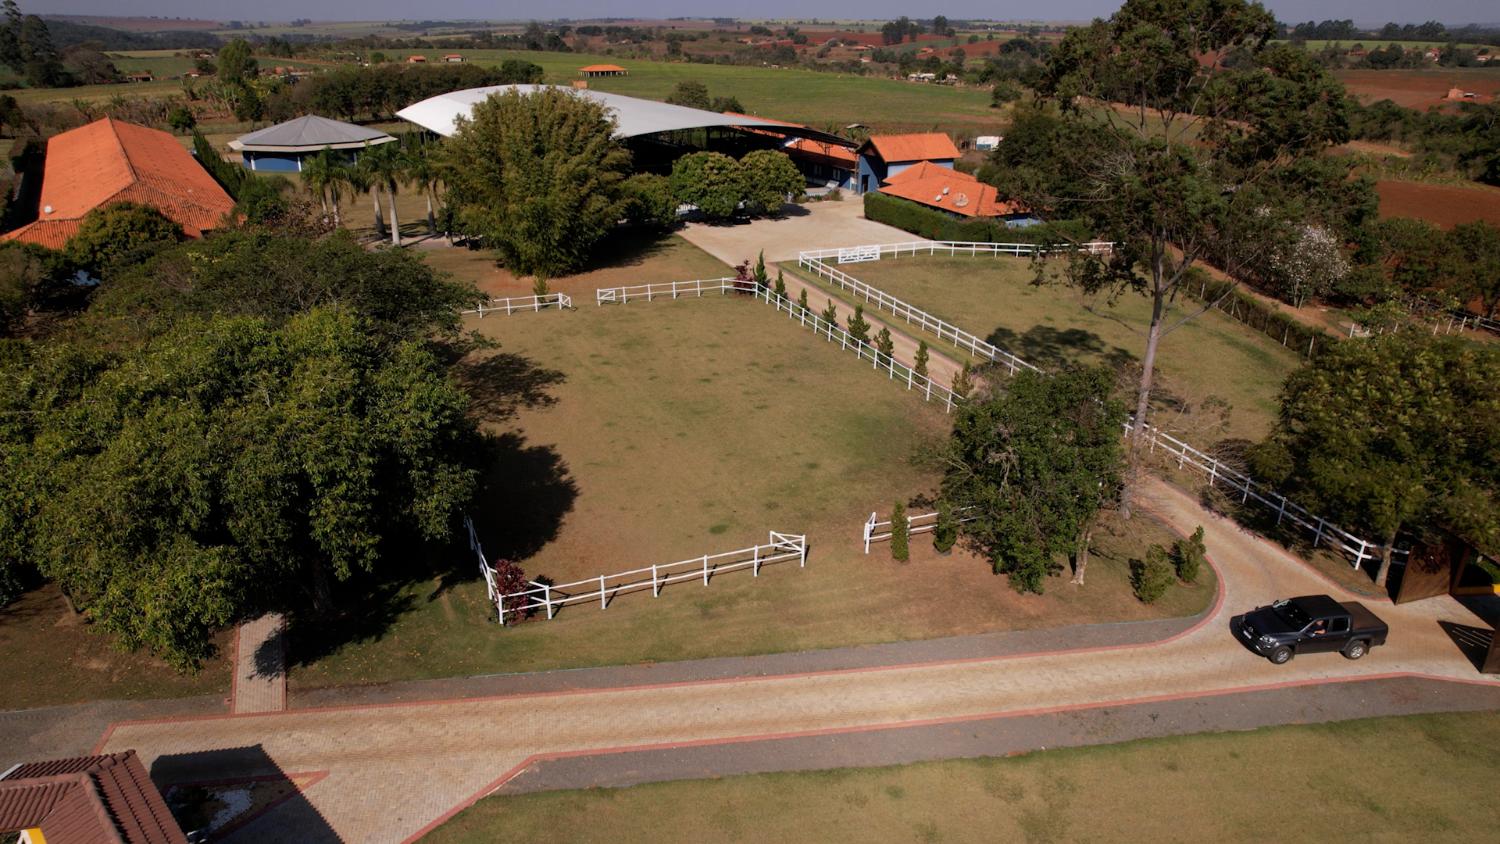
606,295
856,254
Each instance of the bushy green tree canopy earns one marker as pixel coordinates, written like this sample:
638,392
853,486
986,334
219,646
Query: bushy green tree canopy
236,425
711,181
770,178
539,176
1394,433
117,235
1036,463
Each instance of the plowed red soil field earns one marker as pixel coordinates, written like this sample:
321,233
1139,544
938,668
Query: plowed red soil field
1442,205
1419,89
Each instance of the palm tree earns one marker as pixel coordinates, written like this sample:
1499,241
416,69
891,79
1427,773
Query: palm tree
388,168
423,171
361,178
320,174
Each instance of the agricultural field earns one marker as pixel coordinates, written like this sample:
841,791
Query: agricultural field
1444,205
1418,89
662,431
161,63
1435,781
803,96
1049,325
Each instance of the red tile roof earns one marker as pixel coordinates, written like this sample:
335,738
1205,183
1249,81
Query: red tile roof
833,153
950,190
105,799
924,146
113,161
601,68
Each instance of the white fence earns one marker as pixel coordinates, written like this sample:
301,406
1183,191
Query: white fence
875,251
513,304
920,523
671,290
895,370
913,315
781,547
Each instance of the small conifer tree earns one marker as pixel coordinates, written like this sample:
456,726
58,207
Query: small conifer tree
780,285
962,384
900,534
802,299
883,342
831,314
859,327
920,365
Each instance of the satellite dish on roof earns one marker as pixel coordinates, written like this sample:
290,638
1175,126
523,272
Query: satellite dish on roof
945,190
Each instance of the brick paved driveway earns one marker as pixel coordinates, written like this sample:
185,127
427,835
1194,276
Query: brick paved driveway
395,770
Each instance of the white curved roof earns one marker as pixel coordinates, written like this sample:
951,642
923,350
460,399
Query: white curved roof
633,116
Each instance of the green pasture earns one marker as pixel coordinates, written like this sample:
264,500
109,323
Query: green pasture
1420,777
1210,357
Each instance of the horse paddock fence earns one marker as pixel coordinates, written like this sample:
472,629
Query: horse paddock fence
549,597
522,304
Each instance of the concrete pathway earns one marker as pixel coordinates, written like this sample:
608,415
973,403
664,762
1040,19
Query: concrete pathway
259,683
395,771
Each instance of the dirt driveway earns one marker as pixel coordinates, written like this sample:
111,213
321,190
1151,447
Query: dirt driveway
816,225
394,771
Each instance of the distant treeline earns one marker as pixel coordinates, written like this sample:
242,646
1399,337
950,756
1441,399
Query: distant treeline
1345,30
67,34
378,91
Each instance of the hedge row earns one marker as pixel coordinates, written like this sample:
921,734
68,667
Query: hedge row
1265,318
937,225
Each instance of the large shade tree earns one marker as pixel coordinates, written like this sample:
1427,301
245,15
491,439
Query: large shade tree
1391,434
538,175
1176,116
1037,463
239,424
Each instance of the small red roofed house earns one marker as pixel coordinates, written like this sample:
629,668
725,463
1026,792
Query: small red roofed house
110,161
883,156
949,190
87,800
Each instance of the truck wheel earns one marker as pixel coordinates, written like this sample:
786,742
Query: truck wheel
1282,655
1355,649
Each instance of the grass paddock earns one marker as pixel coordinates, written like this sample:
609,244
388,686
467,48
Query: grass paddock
1417,777
650,433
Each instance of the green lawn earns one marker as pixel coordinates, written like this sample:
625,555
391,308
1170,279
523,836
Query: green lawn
660,432
51,657
1211,356
804,96
1428,777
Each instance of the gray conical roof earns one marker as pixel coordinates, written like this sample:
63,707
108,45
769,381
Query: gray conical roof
308,133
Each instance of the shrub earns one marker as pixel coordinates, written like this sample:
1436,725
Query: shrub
539,287
509,579
116,236
769,178
963,385
780,285
761,279
945,533
712,182
831,314
883,342
1189,555
859,328
649,202
900,534
1149,578
802,299
919,366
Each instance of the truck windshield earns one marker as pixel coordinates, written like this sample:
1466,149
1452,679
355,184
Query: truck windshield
1292,614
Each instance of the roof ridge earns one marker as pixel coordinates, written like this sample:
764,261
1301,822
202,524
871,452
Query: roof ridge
124,153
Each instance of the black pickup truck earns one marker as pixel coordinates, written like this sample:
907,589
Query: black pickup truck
1310,624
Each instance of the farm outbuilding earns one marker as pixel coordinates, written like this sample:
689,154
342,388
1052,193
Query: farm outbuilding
657,133
282,148
603,70
884,156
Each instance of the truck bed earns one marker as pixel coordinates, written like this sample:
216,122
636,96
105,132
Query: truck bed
1361,620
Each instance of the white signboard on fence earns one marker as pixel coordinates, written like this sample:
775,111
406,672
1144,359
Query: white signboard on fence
856,254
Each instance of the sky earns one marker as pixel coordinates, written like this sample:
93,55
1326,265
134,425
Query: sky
1373,12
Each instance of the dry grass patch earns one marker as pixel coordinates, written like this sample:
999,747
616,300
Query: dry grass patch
659,432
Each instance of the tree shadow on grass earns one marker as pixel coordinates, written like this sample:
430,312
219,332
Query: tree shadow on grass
502,384
1056,348
526,493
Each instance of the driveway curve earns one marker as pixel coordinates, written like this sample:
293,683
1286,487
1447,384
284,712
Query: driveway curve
396,770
